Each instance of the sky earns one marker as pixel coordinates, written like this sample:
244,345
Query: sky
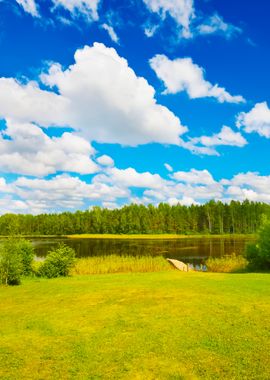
108,102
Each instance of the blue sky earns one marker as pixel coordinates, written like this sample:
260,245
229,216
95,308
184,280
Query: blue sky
147,101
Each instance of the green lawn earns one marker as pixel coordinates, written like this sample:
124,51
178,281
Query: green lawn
167,325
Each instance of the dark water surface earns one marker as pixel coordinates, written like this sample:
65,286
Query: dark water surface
188,249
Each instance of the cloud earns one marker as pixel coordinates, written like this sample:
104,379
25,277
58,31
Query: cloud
11,205
4,187
190,24
185,188
182,11
63,192
198,177
182,74
150,29
111,32
85,8
28,103
116,186
206,144
99,96
168,167
130,178
185,201
105,160
26,149
29,6
216,25
250,185
256,120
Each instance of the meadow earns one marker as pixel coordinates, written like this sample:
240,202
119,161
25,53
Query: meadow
162,325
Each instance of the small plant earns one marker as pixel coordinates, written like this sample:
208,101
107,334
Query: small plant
226,264
58,262
11,267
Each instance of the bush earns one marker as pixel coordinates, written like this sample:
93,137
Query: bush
258,254
11,267
35,267
226,264
58,262
26,250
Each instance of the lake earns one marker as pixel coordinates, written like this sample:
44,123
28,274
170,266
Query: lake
192,250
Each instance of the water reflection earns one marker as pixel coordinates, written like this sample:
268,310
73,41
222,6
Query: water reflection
193,250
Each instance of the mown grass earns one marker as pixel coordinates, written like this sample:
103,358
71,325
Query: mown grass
154,236
168,325
227,264
120,264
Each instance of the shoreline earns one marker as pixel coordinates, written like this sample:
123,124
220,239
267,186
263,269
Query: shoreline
134,236
158,236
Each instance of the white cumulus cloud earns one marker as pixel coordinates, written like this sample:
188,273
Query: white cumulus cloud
105,160
109,103
206,144
26,149
131,178
99,96
116,186
198,177
63,192
256,120
182,74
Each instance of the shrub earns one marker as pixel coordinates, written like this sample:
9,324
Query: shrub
35,267
226,264
26,250
58,262
258,254
11,267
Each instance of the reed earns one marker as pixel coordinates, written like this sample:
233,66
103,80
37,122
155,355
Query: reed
120,264
227,264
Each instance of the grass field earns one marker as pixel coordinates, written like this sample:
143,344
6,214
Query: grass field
156,236
167,325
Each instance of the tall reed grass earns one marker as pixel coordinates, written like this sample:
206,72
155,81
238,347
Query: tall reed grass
227,264
120,264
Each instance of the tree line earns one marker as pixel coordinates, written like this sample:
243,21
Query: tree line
211,218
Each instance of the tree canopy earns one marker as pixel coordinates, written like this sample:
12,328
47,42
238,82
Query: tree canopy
210,218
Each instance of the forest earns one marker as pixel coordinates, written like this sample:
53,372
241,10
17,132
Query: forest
211,218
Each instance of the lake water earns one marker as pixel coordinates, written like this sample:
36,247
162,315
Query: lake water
192,250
